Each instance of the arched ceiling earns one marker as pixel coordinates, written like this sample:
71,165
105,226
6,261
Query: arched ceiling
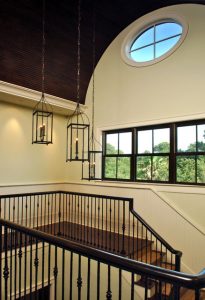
21,34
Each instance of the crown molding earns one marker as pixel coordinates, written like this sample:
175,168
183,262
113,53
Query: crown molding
28,98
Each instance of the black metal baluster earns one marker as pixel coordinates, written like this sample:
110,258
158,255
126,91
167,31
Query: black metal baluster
132,286
79,280
88,206
146,288
41,201
67,211
102,246
37,212
98,281
42,265
59,215
114,227
55,211
11,263
123,252
129,235
81,227
55,273
36,265
120,284
106,224
44,214
78,225
22,210
17,211
71,276
72,217
110,235
88,280
91,219
15,262
63,274
52,230
118,247
6,268
25,265
141,238
98,223
138,241
49,267
9,210
35,209
26,206
146,247
161,257
133,239
63,214
30,212
20,253
75,219
95,222
84,210
109,292
31,266
48,217
4,217
197,295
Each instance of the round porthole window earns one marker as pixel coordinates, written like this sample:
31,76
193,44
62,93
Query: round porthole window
153,43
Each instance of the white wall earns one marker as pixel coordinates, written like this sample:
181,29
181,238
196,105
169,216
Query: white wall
20,161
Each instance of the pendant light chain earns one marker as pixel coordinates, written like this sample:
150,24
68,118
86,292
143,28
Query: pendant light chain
43,50
93,83
78,53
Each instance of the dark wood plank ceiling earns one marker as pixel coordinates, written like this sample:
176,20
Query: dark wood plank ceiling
21,34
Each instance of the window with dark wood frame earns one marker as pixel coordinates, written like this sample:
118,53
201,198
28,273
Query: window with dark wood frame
166,153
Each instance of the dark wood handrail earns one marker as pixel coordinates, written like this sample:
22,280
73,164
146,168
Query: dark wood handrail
196,281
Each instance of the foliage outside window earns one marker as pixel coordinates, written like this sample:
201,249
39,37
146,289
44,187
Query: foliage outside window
190,153
152,160
118,150
169,153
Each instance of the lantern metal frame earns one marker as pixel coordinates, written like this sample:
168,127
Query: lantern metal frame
42,118
78,131
78,125
42,123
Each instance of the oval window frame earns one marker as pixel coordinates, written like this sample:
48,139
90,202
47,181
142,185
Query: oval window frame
140,27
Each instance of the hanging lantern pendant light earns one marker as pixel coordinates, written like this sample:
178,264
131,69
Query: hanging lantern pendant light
42,119
78,126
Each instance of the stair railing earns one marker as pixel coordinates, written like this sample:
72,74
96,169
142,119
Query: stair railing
35,263
106,222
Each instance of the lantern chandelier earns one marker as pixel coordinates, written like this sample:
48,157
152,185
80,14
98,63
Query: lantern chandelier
42,120
92,169
78,125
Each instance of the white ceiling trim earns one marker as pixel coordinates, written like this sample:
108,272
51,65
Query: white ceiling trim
26,97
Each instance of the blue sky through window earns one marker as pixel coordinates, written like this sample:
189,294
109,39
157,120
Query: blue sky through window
155,41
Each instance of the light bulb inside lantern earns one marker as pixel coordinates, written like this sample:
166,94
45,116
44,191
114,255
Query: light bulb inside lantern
92,169
42,132
76,148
